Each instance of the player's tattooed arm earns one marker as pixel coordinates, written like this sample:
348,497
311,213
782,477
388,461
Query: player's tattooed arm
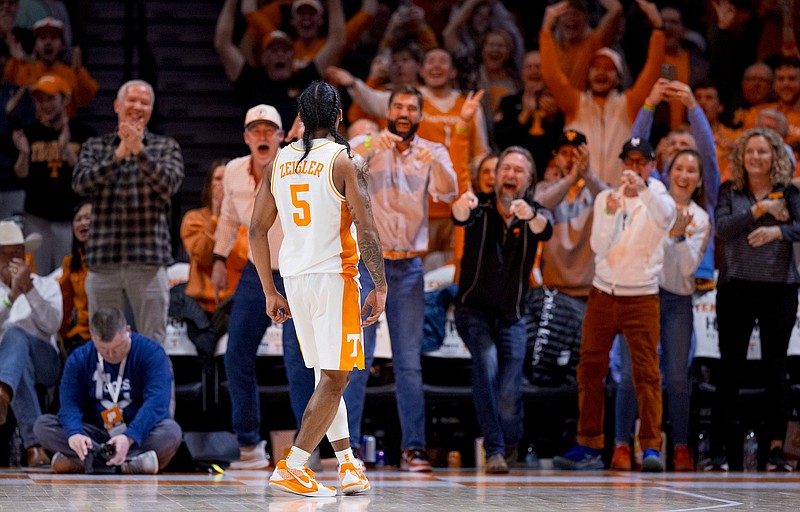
350,176
369,241
362,176
372,254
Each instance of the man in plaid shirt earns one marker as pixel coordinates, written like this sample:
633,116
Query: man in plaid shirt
130,176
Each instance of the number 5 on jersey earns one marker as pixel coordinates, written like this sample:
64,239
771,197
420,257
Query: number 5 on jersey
303,217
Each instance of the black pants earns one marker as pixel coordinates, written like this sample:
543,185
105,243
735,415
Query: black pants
739,304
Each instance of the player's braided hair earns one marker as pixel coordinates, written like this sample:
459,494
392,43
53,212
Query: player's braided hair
319,107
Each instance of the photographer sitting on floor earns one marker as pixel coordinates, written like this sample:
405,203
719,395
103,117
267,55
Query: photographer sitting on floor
114,391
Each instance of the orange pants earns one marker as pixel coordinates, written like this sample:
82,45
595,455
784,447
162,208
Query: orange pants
637,318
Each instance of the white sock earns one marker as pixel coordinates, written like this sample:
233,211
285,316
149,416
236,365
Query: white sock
297,458
346,456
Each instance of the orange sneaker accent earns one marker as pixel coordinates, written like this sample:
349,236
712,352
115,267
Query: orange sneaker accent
682,459
415,461
621,460
353,479
300,481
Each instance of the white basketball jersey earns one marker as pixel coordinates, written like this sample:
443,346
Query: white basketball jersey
319,234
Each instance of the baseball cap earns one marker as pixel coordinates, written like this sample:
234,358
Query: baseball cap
11,234
297,4
570,138
612,55
263,114
640,145
52,85
274,37
48,24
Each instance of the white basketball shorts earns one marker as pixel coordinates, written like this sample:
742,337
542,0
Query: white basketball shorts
327,316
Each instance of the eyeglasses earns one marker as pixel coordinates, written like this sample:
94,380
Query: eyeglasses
261,131
636,162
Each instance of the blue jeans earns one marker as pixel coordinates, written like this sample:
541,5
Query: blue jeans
498,354
355,393
247,323
405,313
677,318
25,361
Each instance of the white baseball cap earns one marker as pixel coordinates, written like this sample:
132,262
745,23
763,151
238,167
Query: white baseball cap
316,4
263,114
612,55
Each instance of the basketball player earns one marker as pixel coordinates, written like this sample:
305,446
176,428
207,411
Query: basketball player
319,191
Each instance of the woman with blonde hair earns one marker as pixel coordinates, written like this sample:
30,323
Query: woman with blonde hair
758,218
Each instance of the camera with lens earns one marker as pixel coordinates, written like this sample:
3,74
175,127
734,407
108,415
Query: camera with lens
98,456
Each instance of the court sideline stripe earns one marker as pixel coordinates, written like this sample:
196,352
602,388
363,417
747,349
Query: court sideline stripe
725,503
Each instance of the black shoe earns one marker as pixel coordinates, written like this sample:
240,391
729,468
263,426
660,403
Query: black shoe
717,464
777,463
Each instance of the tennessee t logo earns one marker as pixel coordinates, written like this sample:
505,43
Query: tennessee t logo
355,339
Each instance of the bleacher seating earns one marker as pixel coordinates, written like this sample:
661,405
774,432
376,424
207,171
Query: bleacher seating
194,101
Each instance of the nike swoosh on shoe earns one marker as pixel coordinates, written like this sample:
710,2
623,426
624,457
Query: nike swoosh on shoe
308,484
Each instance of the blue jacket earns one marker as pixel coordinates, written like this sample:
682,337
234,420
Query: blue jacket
145,396
704,138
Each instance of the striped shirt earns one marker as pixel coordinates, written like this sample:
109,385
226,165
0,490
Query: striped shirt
130,199
770,263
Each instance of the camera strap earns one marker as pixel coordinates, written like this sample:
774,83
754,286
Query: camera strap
112,417
113,388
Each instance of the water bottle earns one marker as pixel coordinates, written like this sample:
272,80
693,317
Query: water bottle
531,458
368,448
750,452
15,449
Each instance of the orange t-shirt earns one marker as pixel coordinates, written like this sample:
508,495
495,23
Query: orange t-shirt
74,298
197,234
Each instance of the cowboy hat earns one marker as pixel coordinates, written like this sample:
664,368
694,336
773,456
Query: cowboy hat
10,234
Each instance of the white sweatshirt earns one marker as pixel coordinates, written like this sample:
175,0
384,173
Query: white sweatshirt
681,259
629,244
